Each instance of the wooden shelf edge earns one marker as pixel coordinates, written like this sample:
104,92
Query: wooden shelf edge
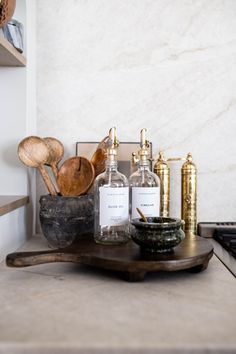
9,56
9,203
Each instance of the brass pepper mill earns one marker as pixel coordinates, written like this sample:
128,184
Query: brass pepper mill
162,170
189,196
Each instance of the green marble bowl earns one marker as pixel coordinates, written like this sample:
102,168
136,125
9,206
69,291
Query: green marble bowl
158,234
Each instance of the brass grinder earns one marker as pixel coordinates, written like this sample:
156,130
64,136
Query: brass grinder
189,196
162,170
188,190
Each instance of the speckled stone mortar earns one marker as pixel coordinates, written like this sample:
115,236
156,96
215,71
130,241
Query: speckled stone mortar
158,234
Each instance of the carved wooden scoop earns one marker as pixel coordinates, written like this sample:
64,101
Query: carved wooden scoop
75,176
33,152
56,152
7,8
99,157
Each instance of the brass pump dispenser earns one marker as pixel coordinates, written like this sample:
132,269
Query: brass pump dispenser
162,170
143,153
113,144
144,184
144,144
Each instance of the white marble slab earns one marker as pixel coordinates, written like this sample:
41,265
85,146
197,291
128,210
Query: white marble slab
169,66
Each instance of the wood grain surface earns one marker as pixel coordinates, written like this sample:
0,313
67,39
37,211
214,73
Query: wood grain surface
75,176
9,56
193,254
33,152
56,152
9,203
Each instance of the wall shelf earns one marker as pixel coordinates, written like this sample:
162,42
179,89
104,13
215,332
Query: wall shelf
9,56
9,203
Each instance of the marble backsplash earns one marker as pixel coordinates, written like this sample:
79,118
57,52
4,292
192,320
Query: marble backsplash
167,65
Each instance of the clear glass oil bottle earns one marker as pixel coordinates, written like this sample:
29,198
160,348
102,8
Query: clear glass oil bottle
144,184
111,193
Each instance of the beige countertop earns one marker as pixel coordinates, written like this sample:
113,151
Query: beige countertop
67,308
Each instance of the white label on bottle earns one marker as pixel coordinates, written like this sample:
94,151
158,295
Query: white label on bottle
147,199
114,206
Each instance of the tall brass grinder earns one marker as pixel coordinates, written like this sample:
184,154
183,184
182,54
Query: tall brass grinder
188,190
162,170
189,196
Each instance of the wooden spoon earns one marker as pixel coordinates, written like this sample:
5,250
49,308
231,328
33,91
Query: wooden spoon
56,152
99,157
142,215
7,8
75,176
33,152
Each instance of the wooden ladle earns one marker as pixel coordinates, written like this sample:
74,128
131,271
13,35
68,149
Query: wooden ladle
56,152
99,157
75,176
33,152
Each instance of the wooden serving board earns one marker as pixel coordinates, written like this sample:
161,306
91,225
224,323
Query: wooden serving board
193,254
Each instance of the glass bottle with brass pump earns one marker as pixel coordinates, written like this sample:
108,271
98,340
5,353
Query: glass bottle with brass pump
162,170
189,196
144,184
111,199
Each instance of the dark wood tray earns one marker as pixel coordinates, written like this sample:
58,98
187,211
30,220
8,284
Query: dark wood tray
193,254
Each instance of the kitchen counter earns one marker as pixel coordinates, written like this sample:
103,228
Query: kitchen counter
68,308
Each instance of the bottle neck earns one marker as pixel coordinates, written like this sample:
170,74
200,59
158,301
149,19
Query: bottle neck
111,165
144,165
